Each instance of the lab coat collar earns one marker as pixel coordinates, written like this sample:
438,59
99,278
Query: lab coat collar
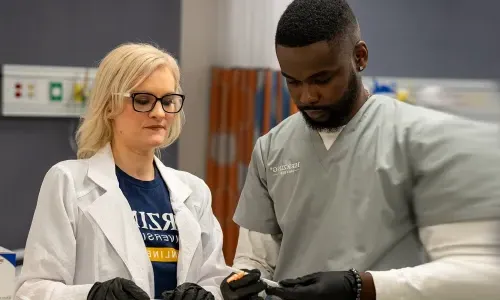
102,169
102,172
127,240
189,229
179,191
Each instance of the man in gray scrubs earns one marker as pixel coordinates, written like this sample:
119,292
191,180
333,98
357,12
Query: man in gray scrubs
361,196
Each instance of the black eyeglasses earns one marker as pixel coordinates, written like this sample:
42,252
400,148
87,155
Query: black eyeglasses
145,102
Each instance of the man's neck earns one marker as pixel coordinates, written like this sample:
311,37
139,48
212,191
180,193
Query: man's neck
363,96
136,163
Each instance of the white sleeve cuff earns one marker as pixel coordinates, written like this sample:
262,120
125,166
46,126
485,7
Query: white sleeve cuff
465,259
389,285
257,250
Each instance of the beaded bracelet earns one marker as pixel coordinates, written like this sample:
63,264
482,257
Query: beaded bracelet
357,288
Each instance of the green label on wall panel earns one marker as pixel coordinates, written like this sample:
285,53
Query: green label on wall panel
55,91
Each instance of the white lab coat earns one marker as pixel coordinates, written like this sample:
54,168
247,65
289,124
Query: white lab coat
83,231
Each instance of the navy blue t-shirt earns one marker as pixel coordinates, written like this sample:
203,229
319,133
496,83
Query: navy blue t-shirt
150,202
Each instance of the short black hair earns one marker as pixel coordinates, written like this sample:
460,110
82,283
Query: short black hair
306,22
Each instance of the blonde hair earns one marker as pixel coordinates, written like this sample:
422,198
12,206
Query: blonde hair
121,70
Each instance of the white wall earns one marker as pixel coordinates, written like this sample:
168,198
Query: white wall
219,33
198,33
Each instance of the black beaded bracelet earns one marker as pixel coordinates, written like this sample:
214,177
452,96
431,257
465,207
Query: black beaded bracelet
358,286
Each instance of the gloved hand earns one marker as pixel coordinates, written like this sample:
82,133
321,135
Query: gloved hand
246,288
117,289
188,291
323,285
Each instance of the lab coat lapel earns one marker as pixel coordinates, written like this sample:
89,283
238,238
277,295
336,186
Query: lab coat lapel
187,224
113,215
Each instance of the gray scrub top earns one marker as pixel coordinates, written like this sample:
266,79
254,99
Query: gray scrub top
394,168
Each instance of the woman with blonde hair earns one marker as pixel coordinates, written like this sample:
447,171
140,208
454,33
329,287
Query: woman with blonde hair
116,223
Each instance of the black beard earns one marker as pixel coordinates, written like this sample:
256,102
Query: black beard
338,113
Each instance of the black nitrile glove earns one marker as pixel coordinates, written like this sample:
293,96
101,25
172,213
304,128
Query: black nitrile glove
318,286
246,288
188,291
117,289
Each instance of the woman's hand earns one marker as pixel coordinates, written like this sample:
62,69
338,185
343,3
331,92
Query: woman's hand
188,291
117,289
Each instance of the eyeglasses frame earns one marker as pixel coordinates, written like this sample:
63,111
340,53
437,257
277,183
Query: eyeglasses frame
133,95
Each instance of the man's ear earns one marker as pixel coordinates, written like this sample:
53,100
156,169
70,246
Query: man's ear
360,55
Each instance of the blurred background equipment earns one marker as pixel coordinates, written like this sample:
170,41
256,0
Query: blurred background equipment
479,103
44,91
470,98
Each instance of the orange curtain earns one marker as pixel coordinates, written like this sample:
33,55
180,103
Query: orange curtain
245,104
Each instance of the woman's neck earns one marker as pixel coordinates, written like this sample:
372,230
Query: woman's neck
136,163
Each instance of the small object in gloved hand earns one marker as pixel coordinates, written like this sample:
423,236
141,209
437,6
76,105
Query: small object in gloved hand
268,282
237,276
188,291
117,289
242,286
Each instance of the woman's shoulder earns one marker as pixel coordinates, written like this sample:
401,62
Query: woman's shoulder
71,166
73,170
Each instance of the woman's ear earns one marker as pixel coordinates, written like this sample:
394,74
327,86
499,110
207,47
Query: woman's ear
108,111
108,115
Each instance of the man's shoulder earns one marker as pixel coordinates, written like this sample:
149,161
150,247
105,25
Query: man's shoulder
415,118
423,121
284,131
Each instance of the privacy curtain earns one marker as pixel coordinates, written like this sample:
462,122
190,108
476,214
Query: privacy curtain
245,104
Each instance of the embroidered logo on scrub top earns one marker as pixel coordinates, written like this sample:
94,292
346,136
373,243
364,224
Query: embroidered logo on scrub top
286,169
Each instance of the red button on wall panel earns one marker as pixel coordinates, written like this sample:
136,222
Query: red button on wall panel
18,90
